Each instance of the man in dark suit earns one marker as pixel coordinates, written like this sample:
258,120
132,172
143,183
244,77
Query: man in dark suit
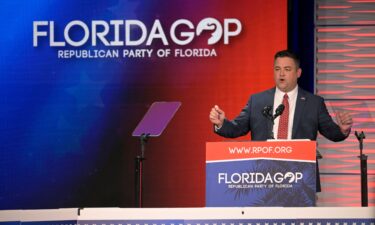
304,115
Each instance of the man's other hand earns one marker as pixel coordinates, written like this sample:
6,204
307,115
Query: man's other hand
217,116
345,121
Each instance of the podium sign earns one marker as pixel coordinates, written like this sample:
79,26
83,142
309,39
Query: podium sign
274,173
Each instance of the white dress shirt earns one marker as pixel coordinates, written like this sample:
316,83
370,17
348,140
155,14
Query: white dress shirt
278,99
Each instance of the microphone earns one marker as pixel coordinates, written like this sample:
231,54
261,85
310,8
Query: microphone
279,110
267,111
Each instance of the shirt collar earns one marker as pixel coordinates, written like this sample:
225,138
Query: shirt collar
291,94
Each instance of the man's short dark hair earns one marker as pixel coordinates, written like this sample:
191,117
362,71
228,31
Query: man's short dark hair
288,53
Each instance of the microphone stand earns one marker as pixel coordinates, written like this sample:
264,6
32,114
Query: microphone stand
363,158
273,124
268,114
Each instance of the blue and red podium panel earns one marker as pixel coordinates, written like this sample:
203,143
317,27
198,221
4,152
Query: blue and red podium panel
274,173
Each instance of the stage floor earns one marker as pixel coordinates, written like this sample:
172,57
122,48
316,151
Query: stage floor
193,216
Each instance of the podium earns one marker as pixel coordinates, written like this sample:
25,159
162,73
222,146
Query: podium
261,173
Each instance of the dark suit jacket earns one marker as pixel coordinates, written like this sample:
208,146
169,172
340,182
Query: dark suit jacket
310,116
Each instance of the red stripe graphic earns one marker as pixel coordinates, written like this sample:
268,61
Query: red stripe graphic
361,1
326,167
337,29
361,86
332,156
335,71
363,109
362,11
288,150
361,66
369,120
342,103
360,76
332,17
362,34
335,7
361,45
368,140
363,97
336,145
336,39
334,81
334,60
333,92
337,179
336,50
360,55
361,22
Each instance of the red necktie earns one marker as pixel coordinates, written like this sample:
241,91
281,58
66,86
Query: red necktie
283,122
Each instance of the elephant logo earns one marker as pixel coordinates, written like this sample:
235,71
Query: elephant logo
213,25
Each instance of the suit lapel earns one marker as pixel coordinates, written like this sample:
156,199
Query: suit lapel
300,105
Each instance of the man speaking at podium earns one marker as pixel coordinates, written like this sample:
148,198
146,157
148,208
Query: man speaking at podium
302,113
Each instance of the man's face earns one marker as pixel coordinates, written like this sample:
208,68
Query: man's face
286,73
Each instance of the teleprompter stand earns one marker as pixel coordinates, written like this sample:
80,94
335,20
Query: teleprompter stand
138,170
363,159
152,125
